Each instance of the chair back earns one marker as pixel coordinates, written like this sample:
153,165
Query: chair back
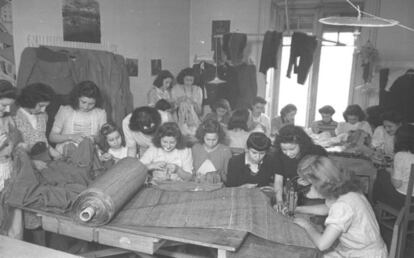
399,235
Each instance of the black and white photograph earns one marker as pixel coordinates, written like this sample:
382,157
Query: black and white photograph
81,21
207,128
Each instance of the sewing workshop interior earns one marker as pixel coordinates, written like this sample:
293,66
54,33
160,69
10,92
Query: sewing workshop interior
206,128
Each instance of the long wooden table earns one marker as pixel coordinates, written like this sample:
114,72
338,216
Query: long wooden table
151,240
147,240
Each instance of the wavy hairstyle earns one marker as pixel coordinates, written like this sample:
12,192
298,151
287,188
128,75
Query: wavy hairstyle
7,90
170,129
239,119
210,126
145,119
34,93
162,75
85,89
404,138
354,110
294,134
328,180
107,129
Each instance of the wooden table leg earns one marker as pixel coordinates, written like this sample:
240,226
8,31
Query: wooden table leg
221,253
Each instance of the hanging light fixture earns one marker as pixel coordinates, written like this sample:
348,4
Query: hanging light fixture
369,20
216,79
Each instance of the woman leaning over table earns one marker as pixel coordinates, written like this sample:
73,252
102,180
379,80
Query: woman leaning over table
292,144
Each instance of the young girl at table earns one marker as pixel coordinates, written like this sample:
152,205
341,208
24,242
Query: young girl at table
350,220
210,156
113,146
168,159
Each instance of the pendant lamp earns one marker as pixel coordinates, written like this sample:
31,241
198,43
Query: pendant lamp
369,20
216,79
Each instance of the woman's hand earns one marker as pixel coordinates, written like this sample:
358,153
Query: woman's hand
160,165
77,137
280,207
106,156
39,164
170,168
210,178
54,154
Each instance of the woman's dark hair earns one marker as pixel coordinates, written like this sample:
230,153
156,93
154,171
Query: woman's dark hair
170,129
221,103
239,119
392,116
374,114
163,105
107,129
327,110
35,93
294,134
287,109
258,141
162,75
404,138
145,120
185,72
260,100
85,89
210,126
7,90
354,110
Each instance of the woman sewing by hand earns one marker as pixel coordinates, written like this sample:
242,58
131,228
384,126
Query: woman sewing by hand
83,118
209,154
168,159
186,91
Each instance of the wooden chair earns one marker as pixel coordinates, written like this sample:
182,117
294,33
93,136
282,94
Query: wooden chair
397,220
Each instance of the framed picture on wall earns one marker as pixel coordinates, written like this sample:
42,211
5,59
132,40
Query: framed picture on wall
218,28
156,66
132,67
81,21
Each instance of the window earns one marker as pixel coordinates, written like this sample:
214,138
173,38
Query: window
328,81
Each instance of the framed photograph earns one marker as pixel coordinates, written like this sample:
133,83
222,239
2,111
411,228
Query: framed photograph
218,28
132,67
156,66
81,21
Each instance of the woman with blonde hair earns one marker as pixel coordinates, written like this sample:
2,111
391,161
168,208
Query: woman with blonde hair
350,220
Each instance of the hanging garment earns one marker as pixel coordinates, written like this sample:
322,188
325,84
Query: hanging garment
247,84
206,72
271,44
401,95
302,47
233,47
63,69
383,81
369,57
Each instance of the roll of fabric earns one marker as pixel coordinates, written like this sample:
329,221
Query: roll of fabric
98,204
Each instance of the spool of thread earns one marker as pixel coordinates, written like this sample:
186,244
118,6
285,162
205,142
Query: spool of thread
87,214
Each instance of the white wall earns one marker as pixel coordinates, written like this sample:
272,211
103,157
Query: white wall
246,16
143,29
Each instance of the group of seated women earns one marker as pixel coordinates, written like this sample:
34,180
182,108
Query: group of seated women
178,143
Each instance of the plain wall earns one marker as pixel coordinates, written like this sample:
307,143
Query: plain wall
143,29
